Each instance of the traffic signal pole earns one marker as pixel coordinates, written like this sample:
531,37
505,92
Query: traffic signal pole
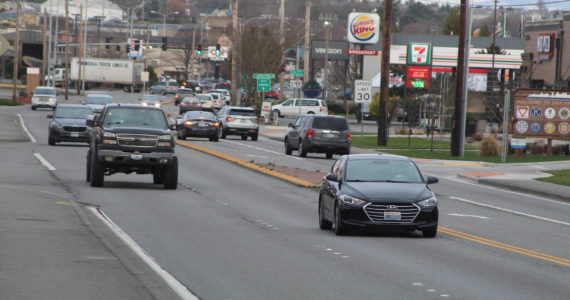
458,130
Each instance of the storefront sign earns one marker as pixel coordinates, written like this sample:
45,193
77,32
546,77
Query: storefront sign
363,28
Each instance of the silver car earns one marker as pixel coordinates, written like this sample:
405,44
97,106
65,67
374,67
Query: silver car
44,96
237,120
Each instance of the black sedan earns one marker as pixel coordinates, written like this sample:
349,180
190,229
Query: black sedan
68,124
181,94
377,191
189,104
198,124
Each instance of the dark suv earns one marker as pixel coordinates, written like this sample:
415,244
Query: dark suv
321,134
132,139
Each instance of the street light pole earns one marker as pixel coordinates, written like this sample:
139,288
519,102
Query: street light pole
326,67
307,41
235,43
16,54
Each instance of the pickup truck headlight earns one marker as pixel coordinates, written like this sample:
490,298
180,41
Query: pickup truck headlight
109,135
429,202
166,137
35,98
109,138
51,99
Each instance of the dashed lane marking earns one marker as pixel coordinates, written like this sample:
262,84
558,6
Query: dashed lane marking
44,161
262,149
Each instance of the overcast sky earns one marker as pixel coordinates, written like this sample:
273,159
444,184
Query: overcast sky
558,5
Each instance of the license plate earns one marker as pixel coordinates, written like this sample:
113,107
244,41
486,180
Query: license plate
202,124
331,136
136,156
392,216
74,134
243,121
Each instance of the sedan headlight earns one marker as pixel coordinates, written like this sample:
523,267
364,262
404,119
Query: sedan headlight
431,201
351,200
57,125
144,104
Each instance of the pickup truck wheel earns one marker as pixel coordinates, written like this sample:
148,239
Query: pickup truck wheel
215,138
97,172
158,176
329,155
254,136
171,175
88,167
33,107
244,137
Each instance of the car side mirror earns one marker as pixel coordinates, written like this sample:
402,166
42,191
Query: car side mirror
49,116
83,102
332,177
173,126
90,120
432,179
291,125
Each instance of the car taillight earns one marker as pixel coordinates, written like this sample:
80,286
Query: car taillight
348,136
188,123
309,133
257,120
228,119
216,124
182,103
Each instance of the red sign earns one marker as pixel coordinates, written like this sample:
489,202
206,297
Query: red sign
362,52
418,72
545,46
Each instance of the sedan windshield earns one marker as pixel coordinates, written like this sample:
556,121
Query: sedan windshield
135,117
200,114
98,100
381,170
63,112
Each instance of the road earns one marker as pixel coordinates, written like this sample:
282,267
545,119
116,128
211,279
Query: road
231,233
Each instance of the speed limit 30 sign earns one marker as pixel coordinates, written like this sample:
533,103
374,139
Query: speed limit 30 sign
362,91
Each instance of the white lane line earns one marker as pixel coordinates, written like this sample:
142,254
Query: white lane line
469,216
23,124
511,211
271,140
44,161
500,189
262,149
178,287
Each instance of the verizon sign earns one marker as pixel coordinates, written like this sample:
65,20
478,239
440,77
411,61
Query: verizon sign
337,50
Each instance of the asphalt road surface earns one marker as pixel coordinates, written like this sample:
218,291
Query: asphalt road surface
231,233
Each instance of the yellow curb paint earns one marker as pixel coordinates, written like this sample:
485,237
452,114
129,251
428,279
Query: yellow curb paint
464,164
507,247
167,102
285,177
63,203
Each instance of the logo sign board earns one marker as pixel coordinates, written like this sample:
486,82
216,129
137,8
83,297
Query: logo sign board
419,54
545,46
263,76
264,85
212,53
362,91
337,50
363,28
418,77
362,52
296,84
541,114
518,143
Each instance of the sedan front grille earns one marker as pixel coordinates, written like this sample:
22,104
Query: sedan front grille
375,212
137,140
74,128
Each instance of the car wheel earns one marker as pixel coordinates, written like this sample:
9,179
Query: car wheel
347,151
310,113
339,227
51,140
254,137
97,172
181,135
243,137
302,151
33,107
158,176
88,167
329,155
277,112
171,175
288,149
430,232
223,133
215,138
323,224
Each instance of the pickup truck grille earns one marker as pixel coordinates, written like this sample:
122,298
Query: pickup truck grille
137,140
375,212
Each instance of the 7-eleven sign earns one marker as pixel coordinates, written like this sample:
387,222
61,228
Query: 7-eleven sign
419,54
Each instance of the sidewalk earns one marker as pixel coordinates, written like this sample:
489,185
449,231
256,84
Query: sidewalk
515,177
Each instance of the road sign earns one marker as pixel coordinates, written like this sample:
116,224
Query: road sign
263,76
144,76
263,85
295,84
223,53
362,91
297,73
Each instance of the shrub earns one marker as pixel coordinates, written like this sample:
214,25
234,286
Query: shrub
477,136
537,148
558,149
490,146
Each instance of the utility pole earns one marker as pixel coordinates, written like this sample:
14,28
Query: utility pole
192,53
326,66
382,138
44,47
16,53
66,50
80,54
458,133
235,37
307,53
282,49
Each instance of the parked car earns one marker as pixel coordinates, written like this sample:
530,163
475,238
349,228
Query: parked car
164,87
150,100
321,134
198,124
68,124
237,120
182,93
299,107
189,104
97,101
377,191
44,97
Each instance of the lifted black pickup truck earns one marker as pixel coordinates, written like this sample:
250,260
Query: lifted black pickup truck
131,138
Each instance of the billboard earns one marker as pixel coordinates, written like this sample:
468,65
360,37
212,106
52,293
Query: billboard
540,114
363,28
337,50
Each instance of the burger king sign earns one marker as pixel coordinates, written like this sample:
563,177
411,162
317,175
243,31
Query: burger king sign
363,28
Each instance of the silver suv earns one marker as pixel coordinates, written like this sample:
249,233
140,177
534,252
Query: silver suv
44,96
321,134
237,120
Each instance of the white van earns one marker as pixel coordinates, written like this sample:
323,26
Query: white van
298,107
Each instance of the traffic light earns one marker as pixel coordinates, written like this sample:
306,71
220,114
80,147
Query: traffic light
199,49
164,43
137,45
107,42
128,48
218,49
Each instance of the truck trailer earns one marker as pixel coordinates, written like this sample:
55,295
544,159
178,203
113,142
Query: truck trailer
118,73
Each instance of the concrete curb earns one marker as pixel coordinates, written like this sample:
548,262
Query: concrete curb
515,188
251,166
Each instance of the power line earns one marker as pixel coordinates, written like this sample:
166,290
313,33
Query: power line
449,2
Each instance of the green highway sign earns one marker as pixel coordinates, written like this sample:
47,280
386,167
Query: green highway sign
264,76
297,73
263,85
